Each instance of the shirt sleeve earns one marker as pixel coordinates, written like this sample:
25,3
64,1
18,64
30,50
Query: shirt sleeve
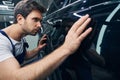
5,49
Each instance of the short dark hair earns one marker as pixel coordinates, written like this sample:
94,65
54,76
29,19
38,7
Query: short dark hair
24,7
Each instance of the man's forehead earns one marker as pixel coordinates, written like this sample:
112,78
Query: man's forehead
36,14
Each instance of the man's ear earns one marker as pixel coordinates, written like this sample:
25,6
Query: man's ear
20,19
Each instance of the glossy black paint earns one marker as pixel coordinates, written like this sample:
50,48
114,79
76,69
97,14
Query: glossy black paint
101,47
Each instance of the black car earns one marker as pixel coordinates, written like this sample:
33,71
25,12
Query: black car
100,48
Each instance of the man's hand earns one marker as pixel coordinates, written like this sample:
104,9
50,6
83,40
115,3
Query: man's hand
77,34
42,42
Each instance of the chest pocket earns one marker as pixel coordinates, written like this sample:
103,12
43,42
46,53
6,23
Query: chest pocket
20,57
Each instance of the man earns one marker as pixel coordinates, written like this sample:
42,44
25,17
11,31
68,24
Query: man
28,15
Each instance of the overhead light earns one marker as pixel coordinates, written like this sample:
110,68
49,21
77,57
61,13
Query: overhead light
9,4
3,7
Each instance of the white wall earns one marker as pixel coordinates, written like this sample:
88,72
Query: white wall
32,41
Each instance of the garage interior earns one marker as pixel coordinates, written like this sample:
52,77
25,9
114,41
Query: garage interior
6,18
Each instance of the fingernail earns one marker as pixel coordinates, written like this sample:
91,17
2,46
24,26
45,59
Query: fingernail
87,15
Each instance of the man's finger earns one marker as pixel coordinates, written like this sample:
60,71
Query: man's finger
78,23
84,34
83,26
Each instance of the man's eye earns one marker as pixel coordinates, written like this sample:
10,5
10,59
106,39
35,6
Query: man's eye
36,20
40,21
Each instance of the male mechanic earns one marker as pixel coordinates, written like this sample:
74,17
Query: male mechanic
28,16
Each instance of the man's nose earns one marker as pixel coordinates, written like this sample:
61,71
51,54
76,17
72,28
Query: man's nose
39,24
